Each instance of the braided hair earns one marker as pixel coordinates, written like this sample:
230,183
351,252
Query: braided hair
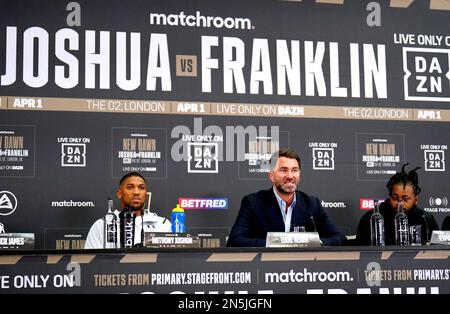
405,177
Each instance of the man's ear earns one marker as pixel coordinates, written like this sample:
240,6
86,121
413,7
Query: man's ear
270,175
119,194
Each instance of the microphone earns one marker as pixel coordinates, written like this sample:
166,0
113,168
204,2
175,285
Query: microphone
143,212
314,224
127,225
426,226
142,231
142,228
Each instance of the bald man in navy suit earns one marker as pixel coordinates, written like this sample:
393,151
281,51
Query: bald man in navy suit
281,207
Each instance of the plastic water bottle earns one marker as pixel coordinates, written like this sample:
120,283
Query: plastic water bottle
401,226
127,225
110,228
376,226
178,220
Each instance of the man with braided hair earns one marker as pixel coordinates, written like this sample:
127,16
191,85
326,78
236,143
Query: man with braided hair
403,186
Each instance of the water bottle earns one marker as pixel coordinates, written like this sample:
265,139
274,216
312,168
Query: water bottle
376,226
110,228
401,226
127,224
178,219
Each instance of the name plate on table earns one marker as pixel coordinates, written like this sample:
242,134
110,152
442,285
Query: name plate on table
440,237
10,241
292,239
173,240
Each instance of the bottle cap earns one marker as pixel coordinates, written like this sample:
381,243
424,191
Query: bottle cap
178,209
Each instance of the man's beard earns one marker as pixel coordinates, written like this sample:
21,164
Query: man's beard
136,207
284,190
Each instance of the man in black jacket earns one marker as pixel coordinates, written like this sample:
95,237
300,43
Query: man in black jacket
446,223
281,207
403,186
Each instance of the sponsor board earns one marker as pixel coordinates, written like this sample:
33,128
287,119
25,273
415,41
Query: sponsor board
65,238
427,74
8,203
139,149
73,155
23,241
73,151
368,203
203,203
437,204
333,204
379,156
323,155
259,150
203,158
340,272
72,203
17,150
434,156
204,147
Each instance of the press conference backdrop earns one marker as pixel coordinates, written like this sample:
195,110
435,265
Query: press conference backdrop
196,95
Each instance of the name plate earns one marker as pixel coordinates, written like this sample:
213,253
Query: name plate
171,240
440,237
10,241
292,239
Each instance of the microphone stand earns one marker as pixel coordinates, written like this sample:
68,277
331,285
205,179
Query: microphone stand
426,227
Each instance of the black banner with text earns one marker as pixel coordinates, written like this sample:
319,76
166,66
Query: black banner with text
196,95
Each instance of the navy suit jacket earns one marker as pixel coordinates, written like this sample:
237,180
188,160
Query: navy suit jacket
260,213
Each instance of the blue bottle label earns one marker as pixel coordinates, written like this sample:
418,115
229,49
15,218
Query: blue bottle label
178,225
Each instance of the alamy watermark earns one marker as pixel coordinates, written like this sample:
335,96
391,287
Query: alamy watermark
231,143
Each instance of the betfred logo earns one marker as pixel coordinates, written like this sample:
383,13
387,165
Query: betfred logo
203,203
368,203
